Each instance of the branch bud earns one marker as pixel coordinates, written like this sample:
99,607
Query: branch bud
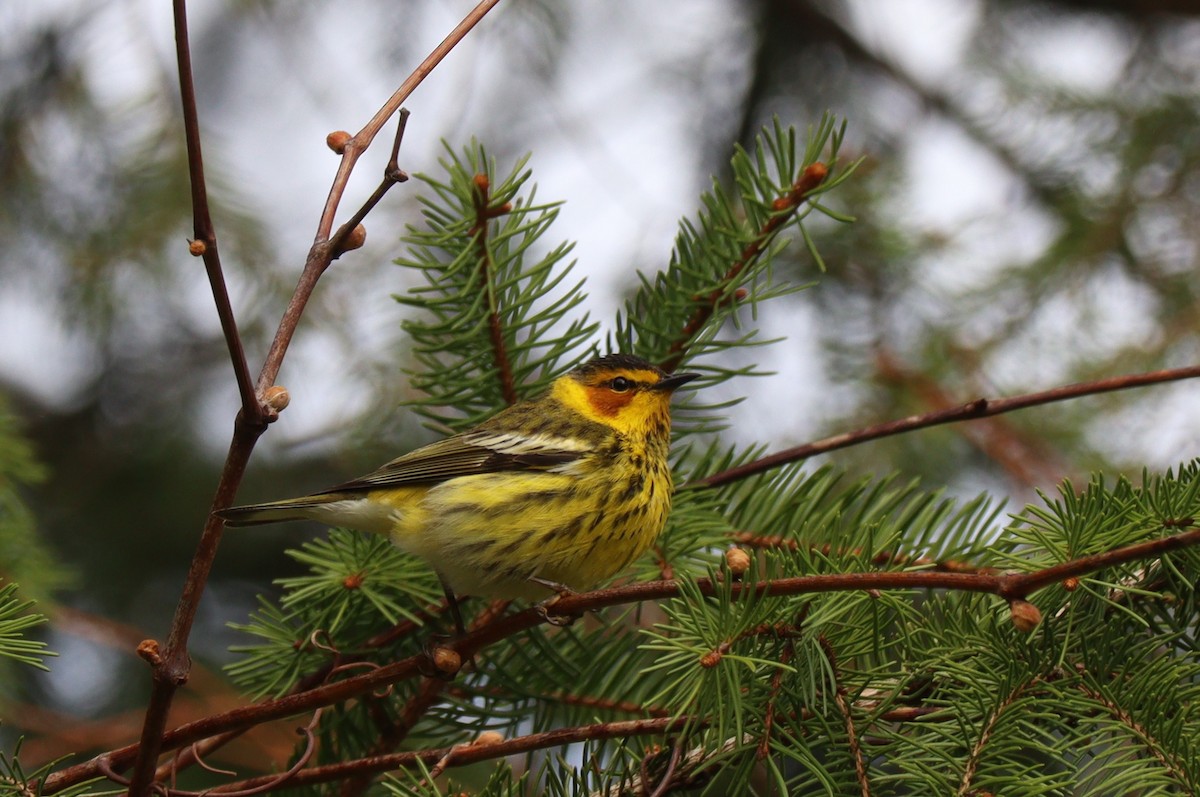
356,238
481,182
447,660
277,397
196,247
1071,583
487,739
738,561
1024,615
336,141
148,651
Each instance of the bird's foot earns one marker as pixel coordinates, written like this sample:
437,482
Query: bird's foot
543,607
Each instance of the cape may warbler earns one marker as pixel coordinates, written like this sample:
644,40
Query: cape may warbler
562,491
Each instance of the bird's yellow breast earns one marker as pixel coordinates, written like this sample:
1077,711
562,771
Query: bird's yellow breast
488,534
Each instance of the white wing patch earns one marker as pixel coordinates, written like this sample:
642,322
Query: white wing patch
517,444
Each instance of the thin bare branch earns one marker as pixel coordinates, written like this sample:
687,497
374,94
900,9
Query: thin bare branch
979,408
321,253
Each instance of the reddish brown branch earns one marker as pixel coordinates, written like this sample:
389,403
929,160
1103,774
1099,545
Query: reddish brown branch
205,241
881,559
321,253
1172,765
785,658
1005,585
786,206
170,663
979,408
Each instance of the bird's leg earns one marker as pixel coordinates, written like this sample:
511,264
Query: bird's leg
452,602
441,662
543,607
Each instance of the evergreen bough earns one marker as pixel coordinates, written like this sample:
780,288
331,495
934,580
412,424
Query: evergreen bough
1089,688
842,692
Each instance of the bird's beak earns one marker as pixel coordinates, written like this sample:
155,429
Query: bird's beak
674,382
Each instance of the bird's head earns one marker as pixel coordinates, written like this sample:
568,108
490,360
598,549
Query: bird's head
621,391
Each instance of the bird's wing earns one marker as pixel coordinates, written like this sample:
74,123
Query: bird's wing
472,453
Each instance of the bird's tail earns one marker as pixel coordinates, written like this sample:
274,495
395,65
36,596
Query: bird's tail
304,508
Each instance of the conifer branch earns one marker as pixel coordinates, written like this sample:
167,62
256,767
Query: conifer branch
985,735
785,207
839,698
1007,585
882,558
785,658
1140,732
484,213
979,408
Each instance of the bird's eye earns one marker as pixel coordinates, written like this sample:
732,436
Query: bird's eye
620,384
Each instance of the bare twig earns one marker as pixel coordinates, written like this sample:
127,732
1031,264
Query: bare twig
321,253
979,408
170,663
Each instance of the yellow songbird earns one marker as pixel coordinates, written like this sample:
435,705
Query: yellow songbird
556,493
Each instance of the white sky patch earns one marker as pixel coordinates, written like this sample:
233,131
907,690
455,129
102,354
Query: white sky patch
83,674
925,37
41,353
954,180
1081,53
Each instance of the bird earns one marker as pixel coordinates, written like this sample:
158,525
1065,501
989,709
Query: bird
550,496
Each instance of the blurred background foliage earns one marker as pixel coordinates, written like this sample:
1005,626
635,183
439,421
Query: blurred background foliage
1025,218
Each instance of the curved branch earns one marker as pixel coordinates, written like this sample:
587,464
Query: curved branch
979,408
322,251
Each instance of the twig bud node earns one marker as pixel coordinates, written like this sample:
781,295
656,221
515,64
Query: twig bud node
336,141
737,560
1071,583
1024,615
447,660
196,247
815,172
356,238
481,182
148,651
487,739
277,397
